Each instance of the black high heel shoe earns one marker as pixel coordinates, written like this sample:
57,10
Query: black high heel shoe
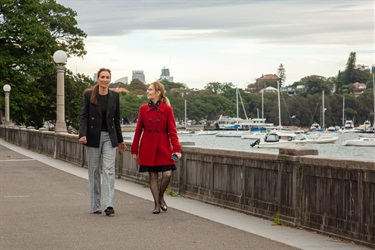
164,208
109,211
156,211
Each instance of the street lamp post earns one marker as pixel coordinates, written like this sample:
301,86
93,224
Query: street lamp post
373,89
60,59
7,89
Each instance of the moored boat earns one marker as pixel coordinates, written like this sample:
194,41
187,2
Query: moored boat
320,139
362,142
207,132
315,127
183,132
349,127
231,133
273,140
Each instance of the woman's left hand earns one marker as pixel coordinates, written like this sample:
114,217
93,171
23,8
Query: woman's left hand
121,147
179,155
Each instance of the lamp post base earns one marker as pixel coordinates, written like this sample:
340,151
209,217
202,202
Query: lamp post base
60,127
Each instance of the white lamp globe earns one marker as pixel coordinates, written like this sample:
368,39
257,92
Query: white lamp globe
7,88
60,57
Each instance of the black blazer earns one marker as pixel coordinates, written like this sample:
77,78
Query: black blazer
91,120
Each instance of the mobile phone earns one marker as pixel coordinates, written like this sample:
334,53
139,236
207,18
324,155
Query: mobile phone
174,157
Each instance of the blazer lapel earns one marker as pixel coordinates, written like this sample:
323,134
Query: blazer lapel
111,101
98,109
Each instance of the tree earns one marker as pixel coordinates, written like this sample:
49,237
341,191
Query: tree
214,87
31,31
349,70
118,85
281,73
74,87
172,85
316,84
129,106
136,84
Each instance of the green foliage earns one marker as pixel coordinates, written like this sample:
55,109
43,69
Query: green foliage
349,70
170,192
31,31
136,84
173,85
129,106
315,85
276,219
214,87
281,73
118,85
74,87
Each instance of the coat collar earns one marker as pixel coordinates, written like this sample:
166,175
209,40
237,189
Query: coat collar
161,107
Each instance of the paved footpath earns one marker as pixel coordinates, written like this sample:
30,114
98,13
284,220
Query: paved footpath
44,204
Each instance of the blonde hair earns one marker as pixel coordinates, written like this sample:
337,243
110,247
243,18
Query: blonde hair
160,87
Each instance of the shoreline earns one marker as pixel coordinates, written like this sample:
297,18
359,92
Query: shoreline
131,128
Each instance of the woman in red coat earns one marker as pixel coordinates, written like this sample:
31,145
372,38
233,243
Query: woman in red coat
155,141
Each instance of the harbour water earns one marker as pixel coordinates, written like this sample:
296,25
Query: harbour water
331,150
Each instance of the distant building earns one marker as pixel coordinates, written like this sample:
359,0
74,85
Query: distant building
300,87
267,77
263,82
361,67
123,80
165,75
139,74
268,89
358,88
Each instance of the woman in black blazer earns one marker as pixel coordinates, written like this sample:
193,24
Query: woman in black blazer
100,132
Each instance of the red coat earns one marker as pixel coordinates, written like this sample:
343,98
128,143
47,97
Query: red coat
155,137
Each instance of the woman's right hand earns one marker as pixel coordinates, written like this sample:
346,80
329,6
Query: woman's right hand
134,156
83,139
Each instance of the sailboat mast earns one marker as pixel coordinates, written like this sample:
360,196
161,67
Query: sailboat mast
343,111
185,114
373,89
263,108
323,110
237,100
278,97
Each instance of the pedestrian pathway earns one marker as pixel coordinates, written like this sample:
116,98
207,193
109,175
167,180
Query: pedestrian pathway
44,205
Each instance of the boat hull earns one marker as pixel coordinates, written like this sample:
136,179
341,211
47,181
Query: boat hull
361,142
280,144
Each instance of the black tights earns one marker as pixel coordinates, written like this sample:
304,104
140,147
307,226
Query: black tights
158,193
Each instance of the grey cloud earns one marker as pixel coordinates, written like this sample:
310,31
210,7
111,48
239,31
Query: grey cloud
268,21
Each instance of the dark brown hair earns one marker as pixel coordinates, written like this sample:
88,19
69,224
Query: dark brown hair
95,89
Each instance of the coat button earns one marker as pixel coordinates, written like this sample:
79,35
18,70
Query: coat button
92,126
158,111
149,130
157,120
92,118
150,119
157,131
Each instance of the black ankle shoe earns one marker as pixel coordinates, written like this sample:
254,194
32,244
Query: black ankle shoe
164,208
97,212
156,211
109,211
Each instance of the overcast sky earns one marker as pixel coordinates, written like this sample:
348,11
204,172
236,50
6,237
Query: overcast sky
236,41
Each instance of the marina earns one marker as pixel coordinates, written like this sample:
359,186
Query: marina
331,150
